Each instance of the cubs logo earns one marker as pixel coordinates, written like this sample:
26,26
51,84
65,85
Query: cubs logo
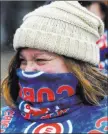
28,94
99,123
65,127
6,120
49,128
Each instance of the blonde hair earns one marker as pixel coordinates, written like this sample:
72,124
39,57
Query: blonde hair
92,81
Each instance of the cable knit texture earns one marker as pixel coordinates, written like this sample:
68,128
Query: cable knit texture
63,27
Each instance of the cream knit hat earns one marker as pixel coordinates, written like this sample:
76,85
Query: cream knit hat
63,27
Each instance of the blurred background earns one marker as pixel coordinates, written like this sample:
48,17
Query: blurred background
12,13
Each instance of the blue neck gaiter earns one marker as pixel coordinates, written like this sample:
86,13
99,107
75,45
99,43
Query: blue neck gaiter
44,96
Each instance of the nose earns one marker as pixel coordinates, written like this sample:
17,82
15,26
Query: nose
31,66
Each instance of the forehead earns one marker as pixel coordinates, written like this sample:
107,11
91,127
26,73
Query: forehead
32,51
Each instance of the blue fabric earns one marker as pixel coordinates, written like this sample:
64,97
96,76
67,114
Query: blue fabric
103,52
43,95
67,112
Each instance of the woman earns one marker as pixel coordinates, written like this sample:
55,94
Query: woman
53,85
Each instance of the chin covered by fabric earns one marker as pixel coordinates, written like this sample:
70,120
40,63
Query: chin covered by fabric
48,103
43,95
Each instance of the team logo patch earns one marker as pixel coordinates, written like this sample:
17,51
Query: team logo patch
50,128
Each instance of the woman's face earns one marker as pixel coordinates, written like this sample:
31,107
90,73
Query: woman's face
38,60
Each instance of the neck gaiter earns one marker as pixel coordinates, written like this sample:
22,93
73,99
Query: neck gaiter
43,95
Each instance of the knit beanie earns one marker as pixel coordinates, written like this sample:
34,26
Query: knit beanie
62,27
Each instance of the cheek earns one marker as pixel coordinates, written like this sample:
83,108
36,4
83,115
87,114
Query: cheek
54,68
22,67
48,69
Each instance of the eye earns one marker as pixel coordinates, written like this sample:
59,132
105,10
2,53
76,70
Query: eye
41,61
23,62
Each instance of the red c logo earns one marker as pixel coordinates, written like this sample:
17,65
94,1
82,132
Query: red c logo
48,128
